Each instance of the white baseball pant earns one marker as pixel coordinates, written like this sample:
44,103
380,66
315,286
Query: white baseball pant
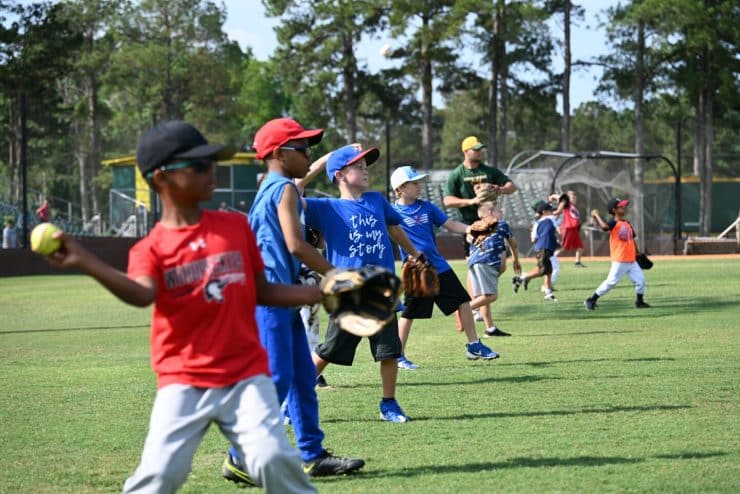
617,272
248,415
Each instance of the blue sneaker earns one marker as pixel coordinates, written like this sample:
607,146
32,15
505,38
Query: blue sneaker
404,363
390,411
478,350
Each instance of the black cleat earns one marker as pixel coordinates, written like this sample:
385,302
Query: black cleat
516,282
590,304
494,331
321,382
327,464
642,305
579,265
234,474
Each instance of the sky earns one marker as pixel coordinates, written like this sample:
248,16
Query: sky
247,24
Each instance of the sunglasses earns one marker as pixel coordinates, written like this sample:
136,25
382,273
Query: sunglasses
305,150
200,166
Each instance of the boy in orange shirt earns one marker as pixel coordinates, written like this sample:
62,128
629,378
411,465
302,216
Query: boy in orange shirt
623,253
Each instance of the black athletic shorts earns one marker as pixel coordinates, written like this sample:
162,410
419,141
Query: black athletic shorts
543,261
339,346
451,295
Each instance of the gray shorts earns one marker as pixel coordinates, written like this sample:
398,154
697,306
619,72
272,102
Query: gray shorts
484,279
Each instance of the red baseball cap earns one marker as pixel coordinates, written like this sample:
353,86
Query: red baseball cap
617,203
278,131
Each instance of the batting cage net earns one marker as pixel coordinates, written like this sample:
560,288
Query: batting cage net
595,178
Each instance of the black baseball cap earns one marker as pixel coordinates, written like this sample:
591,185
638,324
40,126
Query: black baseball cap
176,140
617,203
540,206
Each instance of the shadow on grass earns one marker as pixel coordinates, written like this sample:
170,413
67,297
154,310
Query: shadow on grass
586,361
510,379
61,330
542,413
525,462
578,333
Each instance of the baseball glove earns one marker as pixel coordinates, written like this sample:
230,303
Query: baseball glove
644,261
485,193
482,229
419,277
361,300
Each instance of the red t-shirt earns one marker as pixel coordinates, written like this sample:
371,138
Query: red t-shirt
571,218
204,331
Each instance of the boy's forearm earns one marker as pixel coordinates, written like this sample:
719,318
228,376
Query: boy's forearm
456,227
309,256
279,295
399,236
313,171
117,282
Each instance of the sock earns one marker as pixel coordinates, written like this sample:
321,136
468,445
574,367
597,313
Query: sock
639,297
548,291
594,297
388,400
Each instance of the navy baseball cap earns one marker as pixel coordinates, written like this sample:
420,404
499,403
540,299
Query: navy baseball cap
348,155
176,140
617,203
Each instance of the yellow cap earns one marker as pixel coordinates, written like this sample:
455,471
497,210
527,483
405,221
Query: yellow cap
471,142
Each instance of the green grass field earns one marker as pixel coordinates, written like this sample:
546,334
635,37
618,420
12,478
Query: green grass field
617,400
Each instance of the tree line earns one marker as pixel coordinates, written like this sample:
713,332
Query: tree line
96,73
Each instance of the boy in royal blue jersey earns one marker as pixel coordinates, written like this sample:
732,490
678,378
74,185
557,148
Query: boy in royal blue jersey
275,218
545,244
419,220
357,229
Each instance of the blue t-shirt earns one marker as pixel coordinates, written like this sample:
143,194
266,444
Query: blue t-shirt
419,220
355,232
280,265
492,248
547,234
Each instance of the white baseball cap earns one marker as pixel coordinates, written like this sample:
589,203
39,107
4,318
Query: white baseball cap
405,174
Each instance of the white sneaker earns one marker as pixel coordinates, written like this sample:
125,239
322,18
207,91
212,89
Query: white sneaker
551,297
476,315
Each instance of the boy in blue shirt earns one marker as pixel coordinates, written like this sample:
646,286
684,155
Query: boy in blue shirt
487,262
545,244
357,230
275,219
419,219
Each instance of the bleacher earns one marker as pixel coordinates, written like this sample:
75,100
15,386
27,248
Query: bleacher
517,207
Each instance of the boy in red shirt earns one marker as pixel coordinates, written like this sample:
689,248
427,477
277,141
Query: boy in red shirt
204,273
623,252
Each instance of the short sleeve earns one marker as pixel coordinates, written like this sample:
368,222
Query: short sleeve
311,213
452,188
392,217
438,216
502,178
142,261
506,230
611,224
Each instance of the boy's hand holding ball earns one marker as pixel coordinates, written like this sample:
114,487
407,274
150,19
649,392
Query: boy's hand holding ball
43,240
